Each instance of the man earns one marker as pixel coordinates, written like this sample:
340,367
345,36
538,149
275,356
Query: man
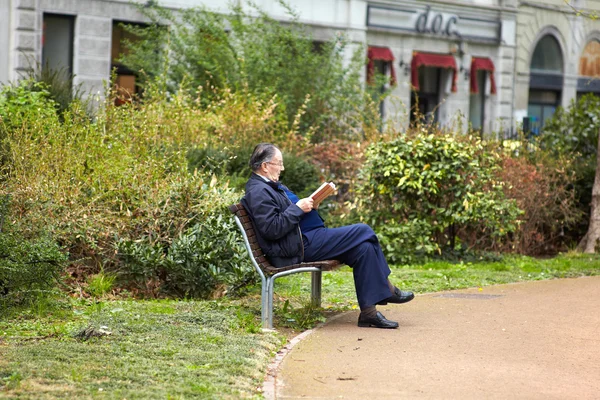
290,230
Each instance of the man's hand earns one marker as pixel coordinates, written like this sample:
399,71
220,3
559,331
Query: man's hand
305,204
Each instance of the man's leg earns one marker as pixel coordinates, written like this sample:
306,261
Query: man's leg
358,246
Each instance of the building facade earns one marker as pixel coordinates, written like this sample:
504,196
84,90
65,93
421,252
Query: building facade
558,57
488,64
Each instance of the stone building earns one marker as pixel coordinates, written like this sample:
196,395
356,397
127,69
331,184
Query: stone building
488,63
557,57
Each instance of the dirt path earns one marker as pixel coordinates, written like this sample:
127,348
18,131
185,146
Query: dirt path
536,340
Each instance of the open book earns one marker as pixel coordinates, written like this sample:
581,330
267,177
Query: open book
323,192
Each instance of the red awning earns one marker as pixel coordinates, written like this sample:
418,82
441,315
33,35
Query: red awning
484,64
382,54
432,60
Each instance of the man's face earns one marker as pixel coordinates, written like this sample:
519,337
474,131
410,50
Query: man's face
275,166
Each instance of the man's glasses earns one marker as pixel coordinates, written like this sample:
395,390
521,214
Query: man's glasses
279,164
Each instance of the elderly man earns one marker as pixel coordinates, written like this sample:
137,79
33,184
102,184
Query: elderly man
290,231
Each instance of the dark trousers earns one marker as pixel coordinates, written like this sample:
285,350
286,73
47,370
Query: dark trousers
357,246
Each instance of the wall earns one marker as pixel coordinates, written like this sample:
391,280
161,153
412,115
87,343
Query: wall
5,44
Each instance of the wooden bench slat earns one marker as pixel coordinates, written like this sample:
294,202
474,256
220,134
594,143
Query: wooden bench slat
257,252
245,218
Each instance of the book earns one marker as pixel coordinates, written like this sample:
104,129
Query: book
323,192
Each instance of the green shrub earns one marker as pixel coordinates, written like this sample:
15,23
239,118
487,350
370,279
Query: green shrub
299,175
123,176
227,162
317,89
30,267
22,104
101,283
574,130
573,133
219,161
421,189
206,258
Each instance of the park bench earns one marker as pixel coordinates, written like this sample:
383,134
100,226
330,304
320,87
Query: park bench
268,273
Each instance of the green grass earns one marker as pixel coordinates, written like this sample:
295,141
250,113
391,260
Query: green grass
167,349
155,350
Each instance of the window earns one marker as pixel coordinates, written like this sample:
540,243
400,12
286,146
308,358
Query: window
477,102
481,69
589,70
425,101
430,74
381,62
57,44
545,83
126,79
542,105
547,56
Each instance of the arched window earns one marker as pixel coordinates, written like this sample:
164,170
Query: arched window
545,83
547,57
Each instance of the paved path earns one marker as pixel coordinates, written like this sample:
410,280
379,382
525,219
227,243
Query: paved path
537,340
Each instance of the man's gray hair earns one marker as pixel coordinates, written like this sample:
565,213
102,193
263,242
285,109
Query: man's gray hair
263,152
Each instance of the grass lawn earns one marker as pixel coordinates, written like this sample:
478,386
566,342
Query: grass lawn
166,349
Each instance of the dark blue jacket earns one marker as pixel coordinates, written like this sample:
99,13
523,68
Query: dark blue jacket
276,221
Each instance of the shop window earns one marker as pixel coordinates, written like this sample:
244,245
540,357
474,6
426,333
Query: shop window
481,69
545,83
477,102
542,105
589,70
425,102
431,74
57,44
380,62
126,81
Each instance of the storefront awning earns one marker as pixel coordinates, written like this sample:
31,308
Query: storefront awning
482,64
381,54
432,60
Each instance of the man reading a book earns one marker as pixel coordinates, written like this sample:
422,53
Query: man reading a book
290,231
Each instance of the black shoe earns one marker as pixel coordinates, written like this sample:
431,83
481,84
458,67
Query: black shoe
398,297
378,321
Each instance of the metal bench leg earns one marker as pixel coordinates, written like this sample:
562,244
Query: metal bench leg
264,300
269,322
316,288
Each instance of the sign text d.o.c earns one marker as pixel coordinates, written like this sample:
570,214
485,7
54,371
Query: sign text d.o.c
437,23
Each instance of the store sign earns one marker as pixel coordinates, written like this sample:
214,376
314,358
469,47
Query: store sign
437,23
433,22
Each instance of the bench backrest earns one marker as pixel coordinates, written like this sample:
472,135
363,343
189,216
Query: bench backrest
252,241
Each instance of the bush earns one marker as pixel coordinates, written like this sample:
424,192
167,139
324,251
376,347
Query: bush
544,191
251,51
30,267
206,259
420,190
573,133
300,175
226,162
123,176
